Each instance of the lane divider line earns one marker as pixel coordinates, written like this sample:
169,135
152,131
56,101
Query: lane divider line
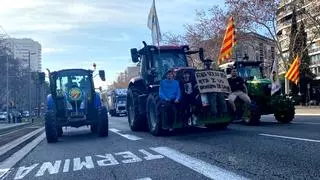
204,168
16,157
146,178
127,136
288,137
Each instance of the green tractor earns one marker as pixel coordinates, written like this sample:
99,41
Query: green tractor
259,90
144,107
74,102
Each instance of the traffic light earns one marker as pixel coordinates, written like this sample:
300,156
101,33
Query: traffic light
41,77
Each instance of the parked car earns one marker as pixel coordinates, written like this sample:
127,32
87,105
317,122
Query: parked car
3,116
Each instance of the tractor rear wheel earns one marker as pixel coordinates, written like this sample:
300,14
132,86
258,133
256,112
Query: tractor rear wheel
103,122
60,131
51,127
154,114
137,122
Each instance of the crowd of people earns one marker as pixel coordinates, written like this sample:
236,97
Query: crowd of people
184,95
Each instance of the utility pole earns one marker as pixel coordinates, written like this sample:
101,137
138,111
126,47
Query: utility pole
29,58
7,87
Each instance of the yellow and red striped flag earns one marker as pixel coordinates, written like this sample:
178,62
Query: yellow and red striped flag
293,72
228,42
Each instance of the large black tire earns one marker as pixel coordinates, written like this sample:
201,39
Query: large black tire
154,114
103,122
254,115
51,127
60,131
285,116
137,122
93,128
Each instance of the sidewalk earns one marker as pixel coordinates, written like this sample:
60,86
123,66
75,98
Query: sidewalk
308,110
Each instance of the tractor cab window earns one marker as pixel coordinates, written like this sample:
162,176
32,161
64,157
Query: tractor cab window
248,72
65,83
167,60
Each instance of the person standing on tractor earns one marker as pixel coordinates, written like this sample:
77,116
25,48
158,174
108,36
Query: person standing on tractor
238,90
188,99
170,94
169,89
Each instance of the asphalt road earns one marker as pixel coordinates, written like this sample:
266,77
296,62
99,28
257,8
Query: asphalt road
268,151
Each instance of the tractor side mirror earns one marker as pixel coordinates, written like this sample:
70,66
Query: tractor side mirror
134,55
201,54
102,75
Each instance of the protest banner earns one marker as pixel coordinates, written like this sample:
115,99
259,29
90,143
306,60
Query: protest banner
212,81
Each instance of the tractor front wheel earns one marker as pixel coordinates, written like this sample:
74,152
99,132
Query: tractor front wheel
51,127
103,122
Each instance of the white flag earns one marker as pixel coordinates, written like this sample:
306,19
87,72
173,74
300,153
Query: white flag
275,86
153,25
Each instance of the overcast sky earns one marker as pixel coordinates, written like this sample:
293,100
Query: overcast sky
76,33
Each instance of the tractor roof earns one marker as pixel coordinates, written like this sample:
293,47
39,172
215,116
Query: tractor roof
167,48
70,71
249,63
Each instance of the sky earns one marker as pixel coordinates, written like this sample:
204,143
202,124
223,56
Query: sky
78,33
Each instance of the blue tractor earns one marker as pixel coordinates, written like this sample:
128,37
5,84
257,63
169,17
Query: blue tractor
74,102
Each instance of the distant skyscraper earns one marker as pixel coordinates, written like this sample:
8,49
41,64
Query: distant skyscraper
21,48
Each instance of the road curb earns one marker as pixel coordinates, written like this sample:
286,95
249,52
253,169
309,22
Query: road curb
7,150
7,129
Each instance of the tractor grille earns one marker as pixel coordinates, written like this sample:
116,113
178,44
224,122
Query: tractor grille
121,108
73,114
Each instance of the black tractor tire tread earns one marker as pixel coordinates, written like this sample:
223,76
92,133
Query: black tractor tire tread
158,131
103,123
51,127
285,118
60,131
139,123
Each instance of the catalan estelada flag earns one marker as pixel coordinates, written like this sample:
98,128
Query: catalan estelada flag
228,42
293,72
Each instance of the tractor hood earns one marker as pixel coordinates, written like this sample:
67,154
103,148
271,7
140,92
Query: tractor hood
259,87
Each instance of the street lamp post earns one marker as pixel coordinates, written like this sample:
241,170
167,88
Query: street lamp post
7,74
29,65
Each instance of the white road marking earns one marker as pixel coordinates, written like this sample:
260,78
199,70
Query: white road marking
146,178
204,168
150,156
16,157
288,137
78,164
23,171
108,160
306,114
13,132
128,136
66,165
130,157
52,169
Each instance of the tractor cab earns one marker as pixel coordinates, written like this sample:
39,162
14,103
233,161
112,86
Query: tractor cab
248,70
156,61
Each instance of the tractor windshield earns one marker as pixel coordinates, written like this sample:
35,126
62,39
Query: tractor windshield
167,60
247,72
65,82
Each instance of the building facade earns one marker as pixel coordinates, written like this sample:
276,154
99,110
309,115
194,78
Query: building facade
284,18
25,49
